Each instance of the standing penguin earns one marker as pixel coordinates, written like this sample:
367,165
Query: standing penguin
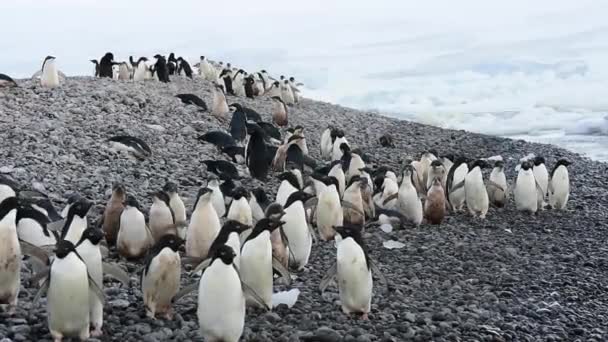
279,112
219,106
221,301
337,171
296,230
76,221
274,90
134,239
434,206
10,254
123,71
229,235
161,70
111,215
435,170
50,74
250,87
352,195
162,219
329,212
183,65
140,70
326,144
238,83
559,188
287,94
88,249
353,269
408,201
526,189
238,125
160,279
239,208
217,197
542,179
256,153
456,194
105,65
289,185
257,261
475,191
32,227
497,186
207,70
204,225
176,204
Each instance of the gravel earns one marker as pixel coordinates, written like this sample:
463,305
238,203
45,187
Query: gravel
509,277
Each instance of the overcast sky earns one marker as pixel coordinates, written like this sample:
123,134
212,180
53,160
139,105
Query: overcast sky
266,31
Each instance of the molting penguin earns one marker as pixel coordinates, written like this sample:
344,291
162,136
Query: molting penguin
10,254
279,112
105,65
434,206
50,74
353,195
134,239
111,215
204,225
219,107
277,237
526,189
559,188
160,279
455,182
542,178
161,220
176,204
475,191
497,185
221,299
76,221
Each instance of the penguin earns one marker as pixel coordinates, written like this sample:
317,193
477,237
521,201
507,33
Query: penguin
8,188
140,70
475,192
256,153
296,230
218,138
408,201
208,72
73,198
221,299
329,212
351,162
123,72
134,238
227,187
172,64
239,208
225,80
337,172
229,235
257,262
287,94
160,279
385,197
435,170
10,254
326,143
336,147
76,221
161,218
497,185
238,125
434,206
279,112
223,168
219,107
278,241
425,164
131,144
7,82
250,87
160,67
182,64
252,115
258,202
32,227
105,65
69,286
217,196
454,184
40,202
193,100
289,185
238,83
353,268
112,212
542,178
204,225
94,61
50,74
526,189
175,202
447,161
294,89
274,90
352,195
559,186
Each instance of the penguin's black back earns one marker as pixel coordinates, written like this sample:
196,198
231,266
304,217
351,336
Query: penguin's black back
257,159
105,66
238,125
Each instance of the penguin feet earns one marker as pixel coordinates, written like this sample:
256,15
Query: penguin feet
96,332
169,314
57,336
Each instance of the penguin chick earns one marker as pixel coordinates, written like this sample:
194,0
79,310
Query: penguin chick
279,112
434,206
160,279
111,215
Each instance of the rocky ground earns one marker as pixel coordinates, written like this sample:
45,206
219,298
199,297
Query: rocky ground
511,277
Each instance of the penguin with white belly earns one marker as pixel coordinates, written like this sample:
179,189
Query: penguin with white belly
229,235
337,171
32,227
160,279
559,187
497,185
258,202
204,225
435,170
353,269
161,218
408,201
542,179
177,206
50,74
134,238
289,185
217,197
329,210
526,189
10,254
76,221
476,195
326,144
239,208
296,230
352,194
455,184
8,188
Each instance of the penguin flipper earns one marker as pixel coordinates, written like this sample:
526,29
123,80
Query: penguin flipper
116,273
331,273
201,267
349,205
376,271
457,186
283,272
497,186
96,289
390,198
43,274
185,291
34,251
41,291
286,243
249,292
56,226
311,203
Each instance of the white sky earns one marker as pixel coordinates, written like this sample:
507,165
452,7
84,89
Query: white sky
260,33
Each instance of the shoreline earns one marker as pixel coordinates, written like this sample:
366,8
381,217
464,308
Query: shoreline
467,279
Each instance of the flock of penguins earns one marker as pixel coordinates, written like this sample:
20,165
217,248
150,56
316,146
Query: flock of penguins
260,241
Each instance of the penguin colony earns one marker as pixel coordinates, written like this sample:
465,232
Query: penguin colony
235,238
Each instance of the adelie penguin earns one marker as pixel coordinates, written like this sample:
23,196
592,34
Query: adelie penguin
130,144
230,235
476,195
134,238
160,279
435,170
289,184
219,107
353,268
239,208
497,185
204,225
353,195
454,184
287,94
105,65
408,201
217,195
207,70
256,153
172,64
279,112
218,138
161,69
176,203
542,178
140,69
111,215
183,65
76,221
161,217
258,202
50,74
32,227
238,125
193,100
124,73
10,254
223,168
8,188
559,187
526,189
296,229
329,212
